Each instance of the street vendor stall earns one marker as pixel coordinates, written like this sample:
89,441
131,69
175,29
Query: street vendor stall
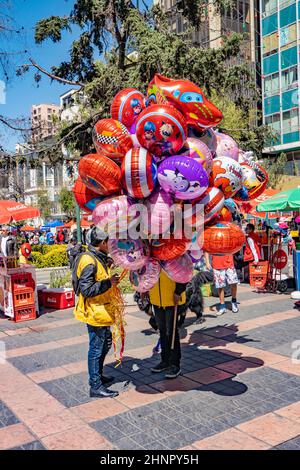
285,201
18,288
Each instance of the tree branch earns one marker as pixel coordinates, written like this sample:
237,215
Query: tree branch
54,77
14,128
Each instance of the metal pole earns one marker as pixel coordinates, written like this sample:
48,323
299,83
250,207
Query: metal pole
78,218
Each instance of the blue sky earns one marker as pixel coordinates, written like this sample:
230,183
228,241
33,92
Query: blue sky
22,92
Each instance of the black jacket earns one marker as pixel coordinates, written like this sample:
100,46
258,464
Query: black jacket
11,246
87,284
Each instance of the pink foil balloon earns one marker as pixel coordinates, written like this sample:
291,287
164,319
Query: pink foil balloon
112,213
179,269
160,217
129,254
198,150
145,278
226,146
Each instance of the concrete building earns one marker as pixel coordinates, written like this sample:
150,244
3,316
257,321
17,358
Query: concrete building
43,118
280,41
240,18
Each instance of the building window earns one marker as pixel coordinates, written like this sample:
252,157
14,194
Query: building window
289,78
271,84
288,36
273,121
270,44
290,121
269,7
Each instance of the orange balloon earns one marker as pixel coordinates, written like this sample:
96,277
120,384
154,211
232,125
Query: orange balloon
168,249
225,215
100,174
112,139
223,238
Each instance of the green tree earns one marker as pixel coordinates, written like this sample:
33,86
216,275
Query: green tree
120,45
43,203
67,202
275,167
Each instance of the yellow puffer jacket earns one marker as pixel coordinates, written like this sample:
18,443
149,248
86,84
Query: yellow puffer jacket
162,294
98,310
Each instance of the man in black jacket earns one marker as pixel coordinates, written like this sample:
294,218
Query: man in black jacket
8,243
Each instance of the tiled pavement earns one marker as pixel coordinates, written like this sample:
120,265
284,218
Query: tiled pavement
239,388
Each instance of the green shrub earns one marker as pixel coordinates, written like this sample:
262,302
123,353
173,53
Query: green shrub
55,258
37,259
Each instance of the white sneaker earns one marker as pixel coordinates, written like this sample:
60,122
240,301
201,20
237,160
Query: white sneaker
234,307
221,311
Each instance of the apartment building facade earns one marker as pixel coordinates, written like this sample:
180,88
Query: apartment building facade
280,44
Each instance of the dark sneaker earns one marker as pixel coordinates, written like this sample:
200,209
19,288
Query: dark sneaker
107,379
161,367
173,372
102,392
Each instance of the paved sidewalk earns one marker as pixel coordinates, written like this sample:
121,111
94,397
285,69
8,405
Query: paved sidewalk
239,388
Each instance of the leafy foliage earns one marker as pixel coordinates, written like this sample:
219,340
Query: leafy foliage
121,46
66,201
275,168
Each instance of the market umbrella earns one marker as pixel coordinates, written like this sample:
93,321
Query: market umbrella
12,211
54,224
249,207
285,201
27,228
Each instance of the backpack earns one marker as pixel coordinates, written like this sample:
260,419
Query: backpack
75,278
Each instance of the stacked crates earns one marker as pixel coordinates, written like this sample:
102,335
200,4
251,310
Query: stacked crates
23,290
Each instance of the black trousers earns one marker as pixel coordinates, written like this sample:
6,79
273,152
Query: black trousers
165,321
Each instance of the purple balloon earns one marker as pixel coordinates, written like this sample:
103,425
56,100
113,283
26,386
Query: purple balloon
182,176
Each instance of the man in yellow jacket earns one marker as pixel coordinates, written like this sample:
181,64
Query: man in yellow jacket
93,284
164,296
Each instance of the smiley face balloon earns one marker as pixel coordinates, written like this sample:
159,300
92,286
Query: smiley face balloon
227,175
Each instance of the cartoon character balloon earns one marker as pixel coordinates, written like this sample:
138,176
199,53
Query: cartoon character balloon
126,107
179,269
226,146
183,177
129,254
161,129
187,97
198,150
223,238
100,174
255,180
139,173
111,138
85,197
145,278
227,175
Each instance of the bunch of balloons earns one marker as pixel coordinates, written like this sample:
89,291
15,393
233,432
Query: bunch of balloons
160,150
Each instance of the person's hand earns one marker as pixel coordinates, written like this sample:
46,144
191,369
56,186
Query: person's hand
115,279
176,299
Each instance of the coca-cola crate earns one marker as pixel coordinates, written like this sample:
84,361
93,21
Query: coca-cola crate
21,280
59,299
23,297
24,313
259,274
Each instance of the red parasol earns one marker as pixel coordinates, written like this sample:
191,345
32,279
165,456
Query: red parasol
12,211
248,207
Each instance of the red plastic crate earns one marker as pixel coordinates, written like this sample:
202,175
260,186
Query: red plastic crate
23,297
19,281
59,299
25,313
259,274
